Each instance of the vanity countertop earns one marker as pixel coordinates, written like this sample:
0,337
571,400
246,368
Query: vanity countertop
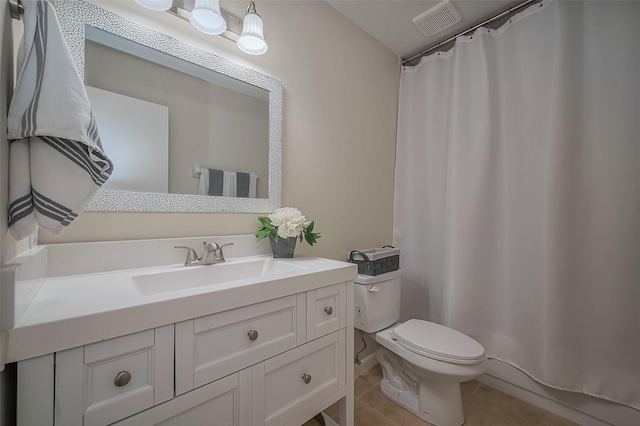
70,311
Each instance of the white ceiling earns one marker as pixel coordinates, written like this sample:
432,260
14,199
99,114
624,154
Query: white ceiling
389,21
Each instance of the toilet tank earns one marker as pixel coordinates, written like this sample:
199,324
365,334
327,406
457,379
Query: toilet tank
377,301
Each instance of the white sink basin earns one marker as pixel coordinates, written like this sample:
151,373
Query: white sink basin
186,277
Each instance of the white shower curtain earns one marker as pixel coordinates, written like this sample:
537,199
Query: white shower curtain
517,205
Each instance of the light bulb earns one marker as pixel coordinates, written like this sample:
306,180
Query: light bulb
206,17
251,40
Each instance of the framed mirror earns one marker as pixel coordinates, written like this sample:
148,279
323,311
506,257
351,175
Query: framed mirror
178,159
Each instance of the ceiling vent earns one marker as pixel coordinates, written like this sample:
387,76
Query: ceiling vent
437,19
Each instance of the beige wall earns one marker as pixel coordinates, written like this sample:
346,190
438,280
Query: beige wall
6,88
339,130
8,247
10,33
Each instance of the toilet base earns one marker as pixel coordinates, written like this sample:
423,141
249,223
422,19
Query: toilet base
435,402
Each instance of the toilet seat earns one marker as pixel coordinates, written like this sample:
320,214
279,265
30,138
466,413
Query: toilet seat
438,342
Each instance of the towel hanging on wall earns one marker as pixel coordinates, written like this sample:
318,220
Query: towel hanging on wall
56,160
226,184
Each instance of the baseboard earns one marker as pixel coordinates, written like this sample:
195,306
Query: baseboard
366,364
582,409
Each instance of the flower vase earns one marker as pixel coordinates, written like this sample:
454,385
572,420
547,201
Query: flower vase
283,247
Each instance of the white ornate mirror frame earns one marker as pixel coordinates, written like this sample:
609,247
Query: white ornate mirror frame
74,15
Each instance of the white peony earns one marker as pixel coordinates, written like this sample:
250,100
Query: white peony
289,221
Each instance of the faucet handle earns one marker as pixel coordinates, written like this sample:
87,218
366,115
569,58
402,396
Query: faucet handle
192,256
215,246
219,256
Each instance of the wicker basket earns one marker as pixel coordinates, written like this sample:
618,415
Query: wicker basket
375,261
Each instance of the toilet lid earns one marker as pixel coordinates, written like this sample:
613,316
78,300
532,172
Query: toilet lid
438,342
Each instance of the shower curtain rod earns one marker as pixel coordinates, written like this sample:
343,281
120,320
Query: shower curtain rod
509,11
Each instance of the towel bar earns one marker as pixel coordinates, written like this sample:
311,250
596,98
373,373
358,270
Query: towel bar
196,171
16,9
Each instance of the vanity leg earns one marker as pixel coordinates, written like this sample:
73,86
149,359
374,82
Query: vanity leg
35,391
346,403
346,410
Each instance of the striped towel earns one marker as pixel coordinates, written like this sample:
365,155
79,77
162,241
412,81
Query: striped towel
56,160
227,184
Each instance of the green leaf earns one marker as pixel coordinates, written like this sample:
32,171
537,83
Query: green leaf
262,233
311,237
265,221
267,229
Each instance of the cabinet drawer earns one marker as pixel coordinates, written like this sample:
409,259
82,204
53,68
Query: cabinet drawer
291,384
220,403
213,346
326,309
106,381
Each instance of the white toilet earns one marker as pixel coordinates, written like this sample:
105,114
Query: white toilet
423,363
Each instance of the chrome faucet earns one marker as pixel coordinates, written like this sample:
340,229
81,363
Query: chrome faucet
211,255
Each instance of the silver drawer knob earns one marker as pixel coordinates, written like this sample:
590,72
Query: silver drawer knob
307,378
328,310
122,379
253,335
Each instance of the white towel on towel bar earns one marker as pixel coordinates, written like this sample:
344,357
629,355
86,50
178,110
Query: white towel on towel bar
253,183
203,181
229,185
56,160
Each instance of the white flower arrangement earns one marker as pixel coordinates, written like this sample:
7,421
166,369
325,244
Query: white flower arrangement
287,222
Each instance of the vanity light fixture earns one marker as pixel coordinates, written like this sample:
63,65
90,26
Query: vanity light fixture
208,17
157,5
251,40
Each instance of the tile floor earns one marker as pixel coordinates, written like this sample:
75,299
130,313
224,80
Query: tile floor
483,406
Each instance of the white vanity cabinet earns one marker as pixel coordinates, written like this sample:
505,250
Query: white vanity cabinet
106,381
326,310
213,346
290,388
274,362
224,402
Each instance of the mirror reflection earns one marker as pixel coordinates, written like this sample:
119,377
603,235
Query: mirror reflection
84,23
171,126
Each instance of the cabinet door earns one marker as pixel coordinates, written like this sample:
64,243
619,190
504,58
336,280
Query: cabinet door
299,383
225,402
326,310
210,347
35,387
106,381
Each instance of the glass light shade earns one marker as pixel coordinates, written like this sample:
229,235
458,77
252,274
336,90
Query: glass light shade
251,40
157,5
206,17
